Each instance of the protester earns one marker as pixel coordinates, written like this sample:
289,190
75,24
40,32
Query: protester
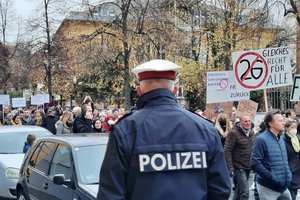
97,126
237,150
50,120
8,119
269,160
103,120
293,153
221,124
83,123
95,114
26,119
16,120
37,118
76,111
163,151
64,125
29,142
290,114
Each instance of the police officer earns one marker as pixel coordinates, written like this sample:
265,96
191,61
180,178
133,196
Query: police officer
162,151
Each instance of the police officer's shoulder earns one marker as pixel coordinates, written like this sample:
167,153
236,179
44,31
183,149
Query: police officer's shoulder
127,114
198,115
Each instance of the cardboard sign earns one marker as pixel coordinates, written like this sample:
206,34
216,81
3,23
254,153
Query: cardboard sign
264,68
4,99
295,93
18,102
212,107
247,106
230,93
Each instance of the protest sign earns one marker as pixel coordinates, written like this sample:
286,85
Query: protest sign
264,68
247,106
18,102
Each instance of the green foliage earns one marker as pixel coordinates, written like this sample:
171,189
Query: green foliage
195,100
15,94
258,97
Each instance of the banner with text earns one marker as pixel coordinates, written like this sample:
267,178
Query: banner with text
295,93
264,68
39,99
227,92
18,102
4,99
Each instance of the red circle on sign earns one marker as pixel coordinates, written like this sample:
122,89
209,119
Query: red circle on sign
225,83
258,56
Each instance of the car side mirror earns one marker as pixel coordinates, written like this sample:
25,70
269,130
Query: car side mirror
59,179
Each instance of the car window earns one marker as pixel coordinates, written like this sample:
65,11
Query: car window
43,158
13,142
88,163
35,154
61,163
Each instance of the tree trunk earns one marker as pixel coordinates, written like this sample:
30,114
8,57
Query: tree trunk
298,51
48,52
127,88
49,77
126,55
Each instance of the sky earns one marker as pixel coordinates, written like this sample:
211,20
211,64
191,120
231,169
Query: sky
25,8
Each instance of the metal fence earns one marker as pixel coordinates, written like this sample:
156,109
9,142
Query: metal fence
279,98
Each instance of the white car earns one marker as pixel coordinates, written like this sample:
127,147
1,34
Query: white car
12,140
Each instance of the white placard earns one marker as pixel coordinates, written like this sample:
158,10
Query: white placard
37,100
4,99
228,94
264,68
18,102
295,93
217,80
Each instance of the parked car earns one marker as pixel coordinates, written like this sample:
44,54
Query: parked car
12,140
62,167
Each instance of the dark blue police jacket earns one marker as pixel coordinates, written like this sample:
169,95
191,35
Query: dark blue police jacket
163,152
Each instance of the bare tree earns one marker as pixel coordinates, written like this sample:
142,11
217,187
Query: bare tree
43,27
6,51
125,20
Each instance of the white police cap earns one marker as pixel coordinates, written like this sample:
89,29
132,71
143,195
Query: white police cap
156,69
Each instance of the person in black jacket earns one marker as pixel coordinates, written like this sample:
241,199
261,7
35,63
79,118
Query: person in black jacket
49,120
84,122
293,152
97,126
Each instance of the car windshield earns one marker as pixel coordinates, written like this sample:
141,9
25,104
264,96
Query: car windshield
88,163
13,143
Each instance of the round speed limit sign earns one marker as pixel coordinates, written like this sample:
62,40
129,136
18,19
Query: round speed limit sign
251,70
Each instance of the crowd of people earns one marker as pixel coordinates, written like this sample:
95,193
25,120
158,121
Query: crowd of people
272,152
275,147
162,138
84,119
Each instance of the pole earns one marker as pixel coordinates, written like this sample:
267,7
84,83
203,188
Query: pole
2,114
266,100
